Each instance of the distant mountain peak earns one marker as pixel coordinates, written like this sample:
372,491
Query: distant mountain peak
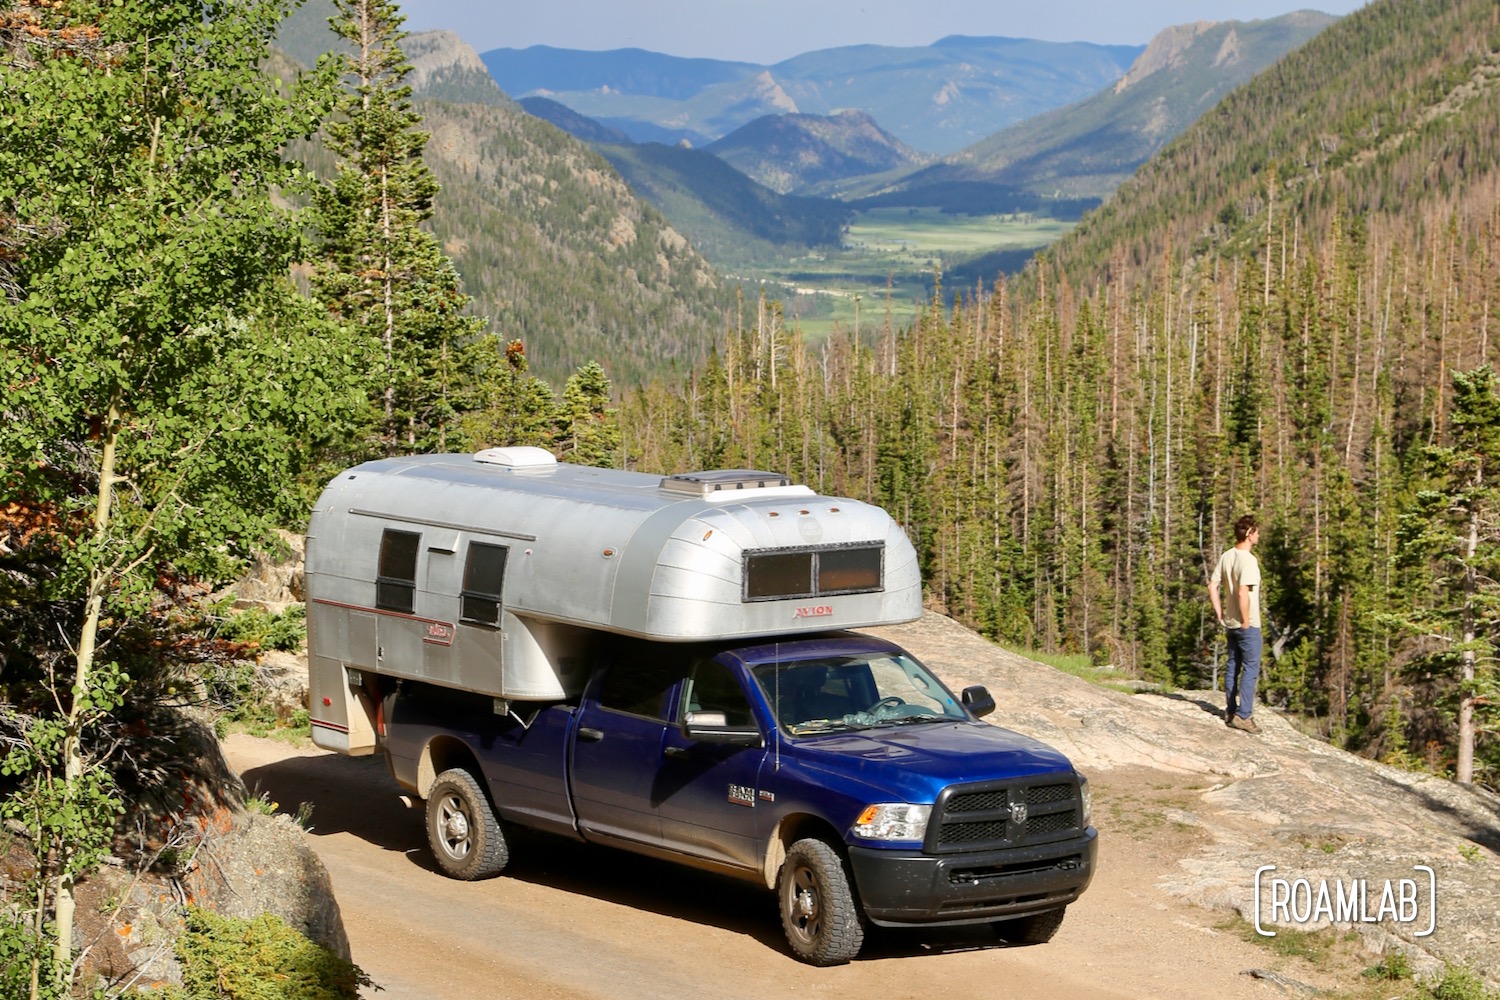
769,91
1229,52
1164,51
430,52
789,153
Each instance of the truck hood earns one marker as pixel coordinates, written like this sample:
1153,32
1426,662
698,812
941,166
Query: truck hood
920,760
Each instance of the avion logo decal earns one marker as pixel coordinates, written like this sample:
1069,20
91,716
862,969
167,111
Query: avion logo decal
814,611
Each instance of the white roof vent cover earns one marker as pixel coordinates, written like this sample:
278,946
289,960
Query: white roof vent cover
518,457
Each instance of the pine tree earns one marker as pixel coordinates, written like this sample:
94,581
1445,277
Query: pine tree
588,433
379,271
1455,532
511,406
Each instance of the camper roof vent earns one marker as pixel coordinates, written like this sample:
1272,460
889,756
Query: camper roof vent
701,484
519,457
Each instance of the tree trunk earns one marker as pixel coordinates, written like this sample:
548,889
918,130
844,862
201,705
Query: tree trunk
1464,770
72,743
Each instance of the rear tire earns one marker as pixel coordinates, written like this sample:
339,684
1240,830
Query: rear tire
464,833
1034,928
818,911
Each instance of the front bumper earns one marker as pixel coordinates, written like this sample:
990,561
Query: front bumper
898,889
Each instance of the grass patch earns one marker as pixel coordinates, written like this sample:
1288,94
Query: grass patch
1340,953
886,265
1081,666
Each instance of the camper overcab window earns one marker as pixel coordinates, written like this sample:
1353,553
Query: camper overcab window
774,575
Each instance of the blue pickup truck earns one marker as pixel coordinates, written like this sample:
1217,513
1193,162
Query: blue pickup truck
672,668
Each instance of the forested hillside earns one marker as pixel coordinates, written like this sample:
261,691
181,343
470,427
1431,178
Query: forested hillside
1283,313
553,247
559,253
725,212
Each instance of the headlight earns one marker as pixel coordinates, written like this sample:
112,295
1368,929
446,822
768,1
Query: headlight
1088,799
893,821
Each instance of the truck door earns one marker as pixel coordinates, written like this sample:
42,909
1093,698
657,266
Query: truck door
617,748
709,793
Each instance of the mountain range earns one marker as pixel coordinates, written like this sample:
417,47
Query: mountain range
1059,162
936,98
1089,148
760,190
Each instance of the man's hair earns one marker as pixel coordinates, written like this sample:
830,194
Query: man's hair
1244,526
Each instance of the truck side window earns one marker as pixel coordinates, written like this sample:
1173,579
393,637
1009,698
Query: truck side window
396,582
639,685
712,688
484,580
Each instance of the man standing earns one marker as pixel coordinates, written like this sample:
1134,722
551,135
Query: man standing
1239,570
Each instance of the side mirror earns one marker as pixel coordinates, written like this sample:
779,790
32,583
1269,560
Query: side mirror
978,700
712,727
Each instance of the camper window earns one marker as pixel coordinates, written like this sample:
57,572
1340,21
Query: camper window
775,574
396,583
484,581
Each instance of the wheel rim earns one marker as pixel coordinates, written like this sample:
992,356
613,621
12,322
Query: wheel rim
453,828
803,905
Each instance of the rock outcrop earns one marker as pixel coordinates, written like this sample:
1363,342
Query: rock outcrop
1282,798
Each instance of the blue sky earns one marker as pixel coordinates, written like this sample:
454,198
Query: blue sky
768,31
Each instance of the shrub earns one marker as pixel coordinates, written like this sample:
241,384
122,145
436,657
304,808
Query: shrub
227,958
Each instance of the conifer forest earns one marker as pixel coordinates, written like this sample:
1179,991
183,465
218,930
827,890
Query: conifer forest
1292,312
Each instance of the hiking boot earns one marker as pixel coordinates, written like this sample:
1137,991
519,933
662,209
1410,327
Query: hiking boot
1245,724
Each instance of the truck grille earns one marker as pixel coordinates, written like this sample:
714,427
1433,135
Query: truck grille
1004,814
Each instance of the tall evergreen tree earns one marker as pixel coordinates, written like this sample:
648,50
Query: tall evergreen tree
1455,531
379,271
588,433
512,406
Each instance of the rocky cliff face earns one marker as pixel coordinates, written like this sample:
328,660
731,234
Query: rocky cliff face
1321,816
1165,51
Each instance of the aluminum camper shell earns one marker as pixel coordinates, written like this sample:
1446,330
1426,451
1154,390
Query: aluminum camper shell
493,572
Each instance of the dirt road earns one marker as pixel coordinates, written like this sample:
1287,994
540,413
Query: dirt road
570,921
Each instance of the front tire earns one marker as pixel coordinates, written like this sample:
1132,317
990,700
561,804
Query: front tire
466,837
818,911
1034,928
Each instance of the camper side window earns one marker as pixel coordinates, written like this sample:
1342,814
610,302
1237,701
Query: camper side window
484,581
396,583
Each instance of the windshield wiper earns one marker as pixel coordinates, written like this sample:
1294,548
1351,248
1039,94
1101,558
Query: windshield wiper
906,720
820,726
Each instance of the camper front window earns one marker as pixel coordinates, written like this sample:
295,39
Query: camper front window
779,574
396,581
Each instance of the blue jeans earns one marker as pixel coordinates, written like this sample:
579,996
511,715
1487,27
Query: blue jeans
1243,671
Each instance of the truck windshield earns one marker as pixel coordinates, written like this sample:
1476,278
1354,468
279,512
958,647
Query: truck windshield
854,692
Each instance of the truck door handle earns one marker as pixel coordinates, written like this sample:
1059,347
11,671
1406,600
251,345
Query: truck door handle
590,735
675,752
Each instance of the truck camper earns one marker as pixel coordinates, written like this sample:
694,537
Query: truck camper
668,664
